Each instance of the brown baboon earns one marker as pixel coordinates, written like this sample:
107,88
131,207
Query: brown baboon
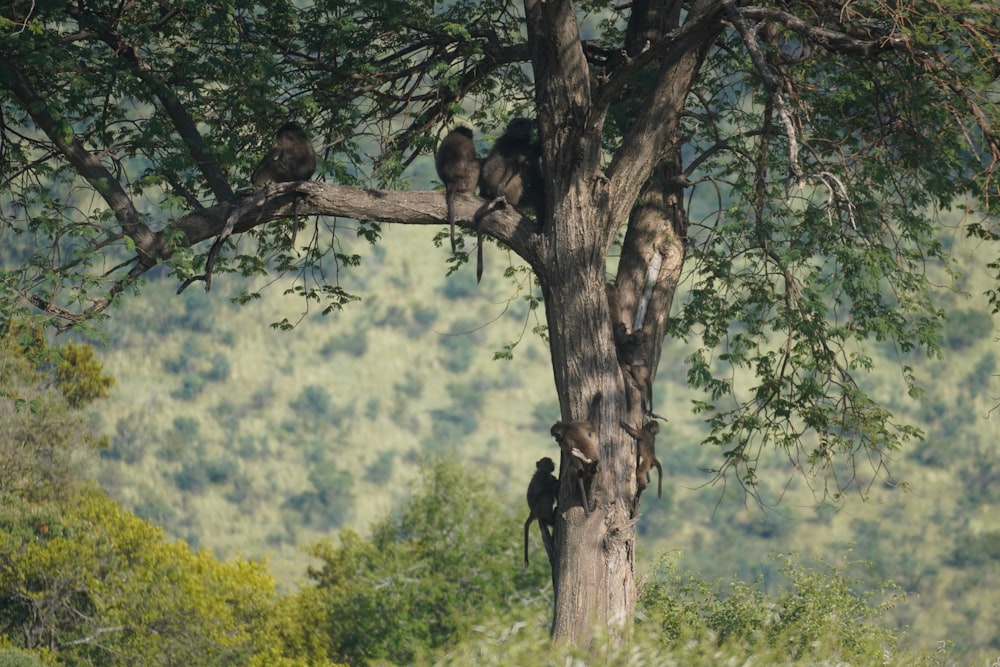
646,455
630,347
639,372
542,492
511,174
458,168
291,158
580,446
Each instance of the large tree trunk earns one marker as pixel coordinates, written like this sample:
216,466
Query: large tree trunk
593,569
594,559
594,563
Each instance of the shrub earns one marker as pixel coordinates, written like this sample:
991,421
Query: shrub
412,587
817,617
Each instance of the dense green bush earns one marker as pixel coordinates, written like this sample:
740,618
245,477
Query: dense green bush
965,328
220,368
353,345
817,617
972,550
97,586
191,387
428,576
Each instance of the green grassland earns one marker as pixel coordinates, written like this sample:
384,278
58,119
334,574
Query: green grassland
243,438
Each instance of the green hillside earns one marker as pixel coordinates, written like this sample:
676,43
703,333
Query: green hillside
240,437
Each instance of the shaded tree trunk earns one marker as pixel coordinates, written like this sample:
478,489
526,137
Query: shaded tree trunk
594,563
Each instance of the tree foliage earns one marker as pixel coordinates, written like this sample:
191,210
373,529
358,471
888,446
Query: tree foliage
80,578
95,584
79,375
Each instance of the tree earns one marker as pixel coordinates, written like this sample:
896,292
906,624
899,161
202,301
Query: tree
80,577
789,159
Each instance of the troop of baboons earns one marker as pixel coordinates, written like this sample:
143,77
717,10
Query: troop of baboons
510,175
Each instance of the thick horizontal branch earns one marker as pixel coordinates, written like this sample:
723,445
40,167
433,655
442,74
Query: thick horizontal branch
286,200
420,207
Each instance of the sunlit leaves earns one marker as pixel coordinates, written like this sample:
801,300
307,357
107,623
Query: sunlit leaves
95,583
80,375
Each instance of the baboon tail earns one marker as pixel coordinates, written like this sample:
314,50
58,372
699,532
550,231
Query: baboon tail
450,198
479,255
527,526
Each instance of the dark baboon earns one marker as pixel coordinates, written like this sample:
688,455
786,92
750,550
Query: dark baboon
647,455
580,446
511,174
542,492
630,347
291,158
458,168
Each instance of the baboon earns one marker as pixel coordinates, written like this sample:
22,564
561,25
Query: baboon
291,158
580,447
647,455
458,168
542,492
639,372
511,174
630,347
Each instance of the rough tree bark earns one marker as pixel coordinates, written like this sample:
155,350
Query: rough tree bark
594,566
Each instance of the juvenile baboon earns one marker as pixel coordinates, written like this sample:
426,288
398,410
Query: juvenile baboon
542,492
291,158
580,446
643,379
458,168
511,174
630,347
647,455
